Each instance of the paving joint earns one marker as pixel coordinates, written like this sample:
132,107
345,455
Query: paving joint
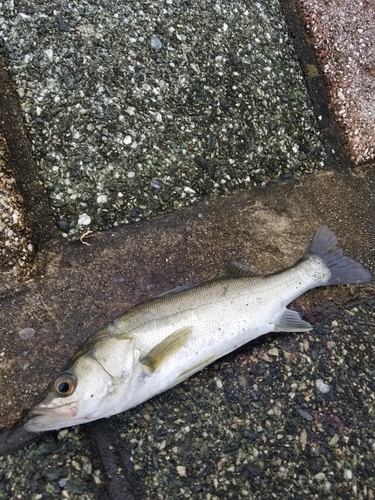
311,68
22,163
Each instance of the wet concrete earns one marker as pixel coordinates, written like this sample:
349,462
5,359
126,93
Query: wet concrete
81,286
22,163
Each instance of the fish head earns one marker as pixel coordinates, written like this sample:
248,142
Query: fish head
91,388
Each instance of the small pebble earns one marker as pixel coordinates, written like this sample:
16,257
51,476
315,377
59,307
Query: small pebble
334,440
62,25
348,474
26,333
155,184
156,43
219,384
273,352
181,470
305,415
320,476
102,198
84,220
63,226
321,386
62,434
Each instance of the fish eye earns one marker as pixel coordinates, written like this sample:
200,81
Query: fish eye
64,384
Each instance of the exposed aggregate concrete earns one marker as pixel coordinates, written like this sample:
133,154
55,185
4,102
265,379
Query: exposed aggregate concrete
256,426
178,104
253,425
342,33
135,110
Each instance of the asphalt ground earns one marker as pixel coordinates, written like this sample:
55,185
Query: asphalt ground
288,415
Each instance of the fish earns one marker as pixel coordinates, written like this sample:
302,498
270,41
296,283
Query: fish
159,343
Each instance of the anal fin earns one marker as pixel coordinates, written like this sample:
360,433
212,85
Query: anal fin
291,321
169,346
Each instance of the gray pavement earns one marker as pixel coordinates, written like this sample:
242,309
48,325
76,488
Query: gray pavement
138,109
254,425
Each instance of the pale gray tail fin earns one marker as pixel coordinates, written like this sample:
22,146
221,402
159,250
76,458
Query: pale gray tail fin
344,270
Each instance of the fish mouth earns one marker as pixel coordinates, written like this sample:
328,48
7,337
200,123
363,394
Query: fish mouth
46,419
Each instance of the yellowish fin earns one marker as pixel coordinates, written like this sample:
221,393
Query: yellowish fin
166,348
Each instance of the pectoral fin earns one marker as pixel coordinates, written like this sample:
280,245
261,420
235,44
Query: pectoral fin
291,321
169,346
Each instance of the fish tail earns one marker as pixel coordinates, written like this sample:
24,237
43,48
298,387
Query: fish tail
344,270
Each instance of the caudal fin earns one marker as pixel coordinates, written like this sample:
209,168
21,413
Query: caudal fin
344,270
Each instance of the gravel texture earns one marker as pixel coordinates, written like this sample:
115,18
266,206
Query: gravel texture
343,35
258,424
134,109
58,466
81,287
26,223
138,109
289,416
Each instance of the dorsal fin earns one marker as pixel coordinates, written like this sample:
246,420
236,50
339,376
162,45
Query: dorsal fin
175,290
237,270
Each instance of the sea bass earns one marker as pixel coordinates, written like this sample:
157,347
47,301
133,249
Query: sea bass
160,343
